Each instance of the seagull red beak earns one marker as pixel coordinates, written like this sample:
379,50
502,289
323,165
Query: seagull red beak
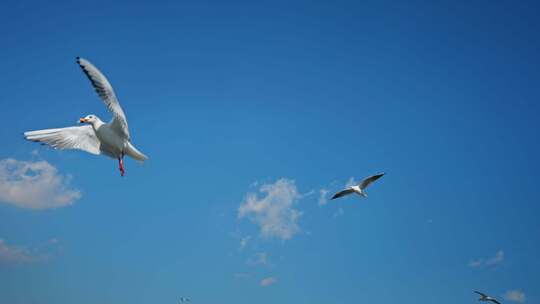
83,120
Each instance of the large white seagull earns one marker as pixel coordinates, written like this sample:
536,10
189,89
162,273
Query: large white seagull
110,139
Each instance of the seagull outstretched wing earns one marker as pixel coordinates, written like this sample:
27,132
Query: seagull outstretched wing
106,92
368,180
481,294
81,138
342,193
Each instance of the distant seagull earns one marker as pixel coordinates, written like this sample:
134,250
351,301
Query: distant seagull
484,297
111,139
358,189
183,300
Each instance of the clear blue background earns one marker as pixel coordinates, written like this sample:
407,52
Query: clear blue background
444,97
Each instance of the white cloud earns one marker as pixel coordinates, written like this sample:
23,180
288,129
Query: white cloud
322,197
495,260
260,258
273,212
515,296
268,281
34,185
12,255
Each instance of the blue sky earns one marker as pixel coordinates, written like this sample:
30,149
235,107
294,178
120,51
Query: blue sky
291,98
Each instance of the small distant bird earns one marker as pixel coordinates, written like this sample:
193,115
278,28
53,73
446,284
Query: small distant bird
358,189
183,300
111,139
484,297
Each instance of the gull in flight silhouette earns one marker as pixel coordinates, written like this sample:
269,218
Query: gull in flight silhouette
358,189
484,297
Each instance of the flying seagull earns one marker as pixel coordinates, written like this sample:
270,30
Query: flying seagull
484,297
182,300
358,189
110,139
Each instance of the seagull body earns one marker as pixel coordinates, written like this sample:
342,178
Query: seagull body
182,300
486,298
97,137
358,189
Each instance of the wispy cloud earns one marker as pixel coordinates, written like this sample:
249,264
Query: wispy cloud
34,185
260,258
254,184
268,281
495,260
307,194
515,296
476,263
350,182
244,241
10,254
274,212
323,200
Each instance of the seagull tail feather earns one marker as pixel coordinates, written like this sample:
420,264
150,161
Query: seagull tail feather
134,153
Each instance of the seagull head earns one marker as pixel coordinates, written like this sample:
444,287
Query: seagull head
91,119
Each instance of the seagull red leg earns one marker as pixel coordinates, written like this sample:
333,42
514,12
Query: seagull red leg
121,165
